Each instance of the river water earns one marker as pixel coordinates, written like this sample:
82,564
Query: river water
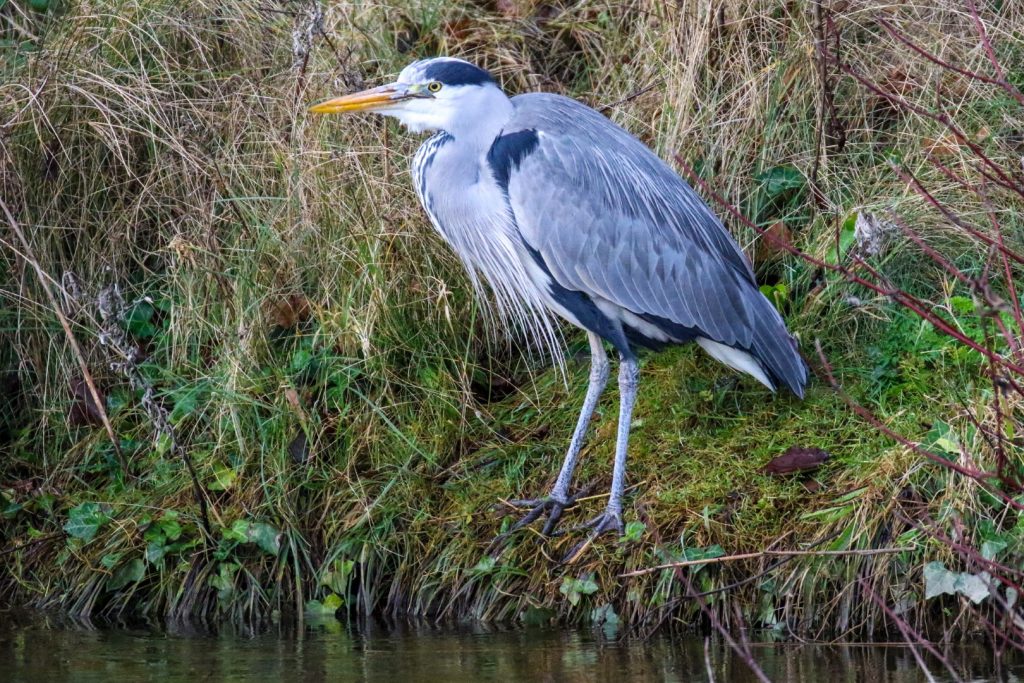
40,649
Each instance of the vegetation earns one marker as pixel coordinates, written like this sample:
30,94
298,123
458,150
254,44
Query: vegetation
309,412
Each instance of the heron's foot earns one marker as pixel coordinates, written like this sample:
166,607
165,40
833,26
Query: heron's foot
551,506
609,520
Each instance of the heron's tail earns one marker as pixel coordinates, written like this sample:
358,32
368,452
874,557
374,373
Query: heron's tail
776,350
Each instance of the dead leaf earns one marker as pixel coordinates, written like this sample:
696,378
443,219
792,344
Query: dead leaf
510,9
84,410
769,247
299,448
290,311
796,459
943,146
295,402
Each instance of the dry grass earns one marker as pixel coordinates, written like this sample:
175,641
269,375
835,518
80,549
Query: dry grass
299,290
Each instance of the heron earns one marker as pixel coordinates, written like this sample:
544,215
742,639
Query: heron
567,215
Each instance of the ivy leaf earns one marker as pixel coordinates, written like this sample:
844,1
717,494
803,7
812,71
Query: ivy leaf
974,587
990,549
110,560
155,552
327,608
170,526
139,320
129,572
264,535
780,179
239,532
267,537
485,565
224,580
938,580
85,520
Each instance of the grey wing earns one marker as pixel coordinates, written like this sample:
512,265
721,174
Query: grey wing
612,220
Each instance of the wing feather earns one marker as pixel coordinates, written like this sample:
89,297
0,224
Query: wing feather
612,220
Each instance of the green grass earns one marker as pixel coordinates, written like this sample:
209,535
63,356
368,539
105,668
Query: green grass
352,419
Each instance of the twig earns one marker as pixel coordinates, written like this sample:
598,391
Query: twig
907,632
34,541
742,648
764,553
979,476
941,118
934,59
79,356
632,96
901,297
991,54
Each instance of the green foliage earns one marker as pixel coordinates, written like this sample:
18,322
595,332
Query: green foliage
224,580
911,351
282,282
164,537
634,532
327,608
85,520
575,588
128,573
265,536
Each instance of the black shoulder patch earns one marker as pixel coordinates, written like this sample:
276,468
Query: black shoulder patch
508,151
457,72
585,310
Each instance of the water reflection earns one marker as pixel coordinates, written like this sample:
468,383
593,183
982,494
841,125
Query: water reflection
35,649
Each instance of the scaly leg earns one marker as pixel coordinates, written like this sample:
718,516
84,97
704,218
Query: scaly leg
559,499
611,518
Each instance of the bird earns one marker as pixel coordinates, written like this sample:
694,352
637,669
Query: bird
565,214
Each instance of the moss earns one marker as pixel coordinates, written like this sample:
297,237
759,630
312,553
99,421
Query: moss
353,420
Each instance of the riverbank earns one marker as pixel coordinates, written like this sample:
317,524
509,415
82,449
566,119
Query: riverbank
310,414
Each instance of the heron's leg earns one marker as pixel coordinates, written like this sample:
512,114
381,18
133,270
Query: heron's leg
598,380
611,518
559,498
629,380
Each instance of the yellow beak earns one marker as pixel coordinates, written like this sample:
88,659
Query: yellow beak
366,100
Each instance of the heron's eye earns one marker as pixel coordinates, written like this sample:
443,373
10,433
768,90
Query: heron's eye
434,86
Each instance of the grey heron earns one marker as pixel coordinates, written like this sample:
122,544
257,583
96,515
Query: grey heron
564,212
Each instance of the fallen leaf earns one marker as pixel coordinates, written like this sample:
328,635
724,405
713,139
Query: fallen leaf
943,146
770,246
510,9
289,311
84,409
796,459
299,448
813,486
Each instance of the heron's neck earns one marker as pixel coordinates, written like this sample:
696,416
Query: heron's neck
481,120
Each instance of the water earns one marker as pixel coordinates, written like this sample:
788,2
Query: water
37,649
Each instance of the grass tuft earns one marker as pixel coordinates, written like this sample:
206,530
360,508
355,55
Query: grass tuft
351,420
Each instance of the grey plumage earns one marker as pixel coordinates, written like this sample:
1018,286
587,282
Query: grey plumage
563,212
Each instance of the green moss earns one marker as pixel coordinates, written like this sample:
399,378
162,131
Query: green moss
353,421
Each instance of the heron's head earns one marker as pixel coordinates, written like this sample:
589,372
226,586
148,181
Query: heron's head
432,94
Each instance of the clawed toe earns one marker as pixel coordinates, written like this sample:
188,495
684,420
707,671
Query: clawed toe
609,520
550,506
